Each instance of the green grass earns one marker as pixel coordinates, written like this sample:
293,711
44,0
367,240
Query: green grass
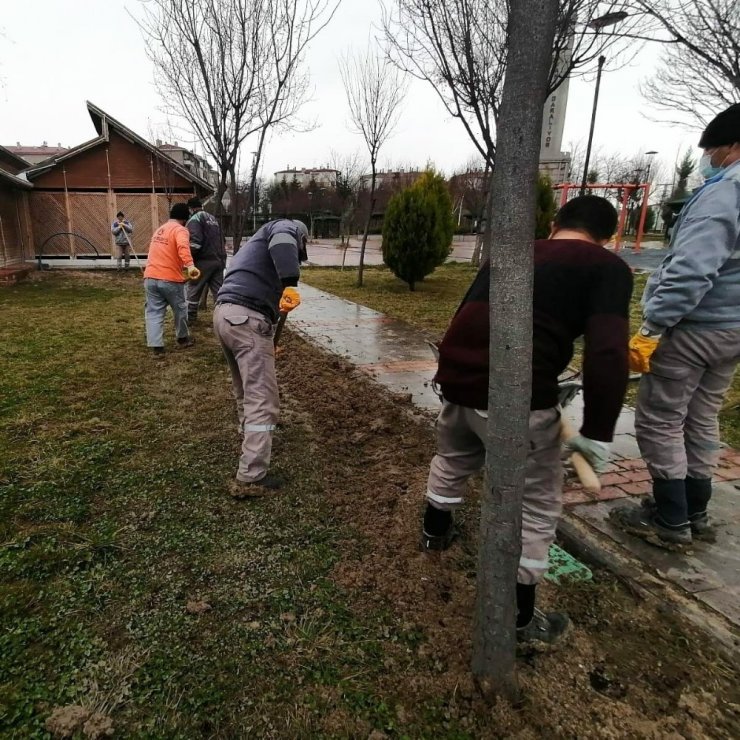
324,619
113,516
431,306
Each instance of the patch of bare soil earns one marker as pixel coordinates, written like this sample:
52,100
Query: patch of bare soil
626,670
70,720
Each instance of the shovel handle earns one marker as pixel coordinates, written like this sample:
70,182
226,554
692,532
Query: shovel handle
586,475
279,328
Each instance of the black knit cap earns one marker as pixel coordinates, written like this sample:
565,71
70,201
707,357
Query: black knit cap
180,212
195,203
723,130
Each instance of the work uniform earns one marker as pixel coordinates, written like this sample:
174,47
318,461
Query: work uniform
580,289
209,256
244,320
164,283
693,301
121,231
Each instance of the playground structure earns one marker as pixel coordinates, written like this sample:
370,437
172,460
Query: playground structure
627,190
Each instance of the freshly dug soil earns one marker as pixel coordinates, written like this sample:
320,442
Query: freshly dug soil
626,670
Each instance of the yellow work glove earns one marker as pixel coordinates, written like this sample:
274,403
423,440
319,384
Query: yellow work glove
291,299
192,272
641,349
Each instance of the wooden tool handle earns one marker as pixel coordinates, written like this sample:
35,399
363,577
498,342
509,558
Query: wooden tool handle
586,475
589,480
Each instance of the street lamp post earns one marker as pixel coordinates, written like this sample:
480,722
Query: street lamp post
609,19
650,156
584,180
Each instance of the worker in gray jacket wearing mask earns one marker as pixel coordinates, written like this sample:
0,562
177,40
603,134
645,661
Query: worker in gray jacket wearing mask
259,285
688,348
209,255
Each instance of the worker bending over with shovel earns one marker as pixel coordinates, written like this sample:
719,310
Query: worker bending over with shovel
580,289
259,287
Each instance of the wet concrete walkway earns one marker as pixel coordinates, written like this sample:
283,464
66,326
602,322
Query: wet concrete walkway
398,357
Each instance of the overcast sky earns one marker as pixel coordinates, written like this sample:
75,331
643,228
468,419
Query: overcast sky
56,54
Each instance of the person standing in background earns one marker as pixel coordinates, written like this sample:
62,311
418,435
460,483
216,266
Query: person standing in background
121,229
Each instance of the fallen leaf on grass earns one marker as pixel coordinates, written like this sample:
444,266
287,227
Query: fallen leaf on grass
197,607
67,721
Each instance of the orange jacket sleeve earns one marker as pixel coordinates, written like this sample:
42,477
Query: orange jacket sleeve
182,239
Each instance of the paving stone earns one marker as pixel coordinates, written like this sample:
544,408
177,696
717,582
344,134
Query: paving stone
625,446
638,475
724,600
730,473
608,493
612,479
633,464
637,488
572,497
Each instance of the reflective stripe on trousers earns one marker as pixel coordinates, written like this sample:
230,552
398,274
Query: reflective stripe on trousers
461,434
246,339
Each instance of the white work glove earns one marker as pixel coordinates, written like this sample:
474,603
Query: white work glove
596,453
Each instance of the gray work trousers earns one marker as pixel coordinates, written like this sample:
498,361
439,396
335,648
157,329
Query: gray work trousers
679,401
211,278
461,452
246,337
123,254
159,295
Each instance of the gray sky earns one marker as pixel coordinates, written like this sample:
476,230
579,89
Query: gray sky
55,54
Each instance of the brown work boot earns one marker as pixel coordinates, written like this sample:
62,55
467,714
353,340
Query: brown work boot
185,342
240,489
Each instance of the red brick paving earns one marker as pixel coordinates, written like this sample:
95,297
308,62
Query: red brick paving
611,492
730,473
636,476
611,479
621,479
635,464
574,496
637,488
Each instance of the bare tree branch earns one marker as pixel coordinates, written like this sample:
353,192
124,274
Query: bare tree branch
375,90
460,48
700,68
231,69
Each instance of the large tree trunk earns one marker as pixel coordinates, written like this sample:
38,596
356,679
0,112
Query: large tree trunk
361,268
531,31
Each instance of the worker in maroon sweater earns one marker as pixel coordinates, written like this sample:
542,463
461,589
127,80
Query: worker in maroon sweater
580,289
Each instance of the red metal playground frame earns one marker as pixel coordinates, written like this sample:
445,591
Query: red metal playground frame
627,190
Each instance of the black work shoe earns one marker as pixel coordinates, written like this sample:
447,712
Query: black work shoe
545,629
438,542
158,352
239,489
185,342
701,526
644,522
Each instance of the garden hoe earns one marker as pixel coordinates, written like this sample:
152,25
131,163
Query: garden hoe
279,328
133,251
